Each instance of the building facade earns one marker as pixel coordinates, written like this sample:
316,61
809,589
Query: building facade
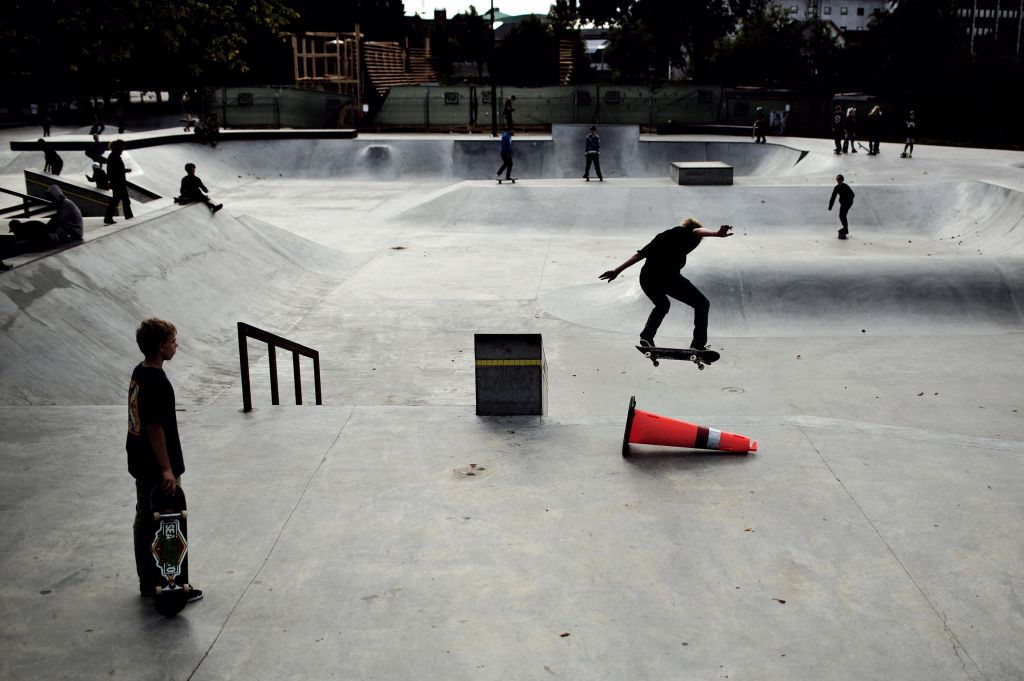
999,20
847,15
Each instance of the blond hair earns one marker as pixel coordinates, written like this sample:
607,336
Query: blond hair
152,333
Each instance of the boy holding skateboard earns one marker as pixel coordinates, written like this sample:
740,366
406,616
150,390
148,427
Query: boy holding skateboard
154,449
660,277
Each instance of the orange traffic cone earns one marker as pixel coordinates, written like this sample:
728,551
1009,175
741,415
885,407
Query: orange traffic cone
644,428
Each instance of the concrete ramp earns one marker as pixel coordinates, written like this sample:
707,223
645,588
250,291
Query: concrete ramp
69,320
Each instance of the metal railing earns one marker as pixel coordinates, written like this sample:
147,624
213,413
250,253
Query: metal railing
30,205
273,342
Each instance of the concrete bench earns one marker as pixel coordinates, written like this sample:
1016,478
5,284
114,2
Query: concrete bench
702,172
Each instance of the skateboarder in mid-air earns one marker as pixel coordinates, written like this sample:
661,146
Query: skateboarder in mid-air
660,277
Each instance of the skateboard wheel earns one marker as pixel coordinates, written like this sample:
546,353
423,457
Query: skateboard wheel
184,515
701,367
187,588
159,590
647,355
156,516
655,362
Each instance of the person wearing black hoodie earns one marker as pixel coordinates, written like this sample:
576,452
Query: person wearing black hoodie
53,163
118,184
64,227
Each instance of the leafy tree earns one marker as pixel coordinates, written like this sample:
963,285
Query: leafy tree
528,55
465,37
377,19
770,49
682,33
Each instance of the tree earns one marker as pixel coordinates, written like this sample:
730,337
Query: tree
681,33
117,44
465,37
770,49
528,55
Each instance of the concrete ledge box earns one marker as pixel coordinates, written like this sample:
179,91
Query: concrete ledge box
701,172
511,374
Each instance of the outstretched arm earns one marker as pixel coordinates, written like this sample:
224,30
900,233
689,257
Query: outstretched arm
611,274
723,231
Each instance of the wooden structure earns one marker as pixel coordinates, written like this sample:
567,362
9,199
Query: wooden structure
331,62
389,64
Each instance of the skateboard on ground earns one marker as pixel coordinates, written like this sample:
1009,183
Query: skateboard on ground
170,551
698,357
507,179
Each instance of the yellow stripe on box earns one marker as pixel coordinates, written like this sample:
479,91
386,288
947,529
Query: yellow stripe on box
508,362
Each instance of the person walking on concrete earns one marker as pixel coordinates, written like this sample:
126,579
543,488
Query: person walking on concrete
838,128
507,111
52,162
155,458
506,154
874,129
850,141
118,184
592,150
760,123
911,126
194,191
661,279
845,195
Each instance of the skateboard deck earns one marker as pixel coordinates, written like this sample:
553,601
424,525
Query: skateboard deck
698,357
507,179
170,551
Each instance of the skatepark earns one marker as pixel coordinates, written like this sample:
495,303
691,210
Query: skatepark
391,533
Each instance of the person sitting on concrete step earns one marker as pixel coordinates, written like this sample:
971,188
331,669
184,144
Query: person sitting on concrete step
64,227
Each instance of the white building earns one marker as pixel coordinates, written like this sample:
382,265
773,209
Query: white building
847,15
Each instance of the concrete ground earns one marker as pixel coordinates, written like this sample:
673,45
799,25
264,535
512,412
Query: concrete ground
874,535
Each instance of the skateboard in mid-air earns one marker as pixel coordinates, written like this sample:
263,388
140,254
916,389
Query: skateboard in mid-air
170,551
698,357
507,179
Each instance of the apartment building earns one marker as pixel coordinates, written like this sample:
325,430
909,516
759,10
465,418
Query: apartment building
992,19
847,15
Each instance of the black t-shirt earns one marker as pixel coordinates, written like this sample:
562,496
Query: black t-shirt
666,254
151,401
192,186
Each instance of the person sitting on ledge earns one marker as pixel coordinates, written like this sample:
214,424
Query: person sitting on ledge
99,176
64,227
194,191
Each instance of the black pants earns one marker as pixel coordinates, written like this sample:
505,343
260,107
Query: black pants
508,121
843,210
684,291
120,196
506,165
837,137
594,159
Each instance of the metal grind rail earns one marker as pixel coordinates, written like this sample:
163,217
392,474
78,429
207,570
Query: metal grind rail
245,331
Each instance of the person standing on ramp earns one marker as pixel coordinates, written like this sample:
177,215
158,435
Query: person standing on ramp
592,152
845,195
660,277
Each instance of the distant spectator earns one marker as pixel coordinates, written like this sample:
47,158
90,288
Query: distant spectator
759,126
592,150
122,118
874,130
99,176
194,191
207,130
46,121
96,149
838,128
52,162
850,141
35,235
507,112
118,184
98,126
911,127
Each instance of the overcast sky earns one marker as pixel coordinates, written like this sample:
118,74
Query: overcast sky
425,8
